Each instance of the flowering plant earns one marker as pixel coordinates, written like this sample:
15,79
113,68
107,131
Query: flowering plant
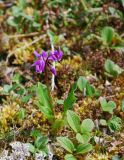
44,61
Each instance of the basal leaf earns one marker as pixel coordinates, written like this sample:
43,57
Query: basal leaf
22,113
79,138
73,121
122,105
69,157
83,138
107,34
103,122
81,83
43,95
90,90
103,102
71,99
7,88
35,133
41,142
83,148
57,125
114,123
112,69
32,149
122,1
26,98
46,111
87,125
66,143
111,105
107,106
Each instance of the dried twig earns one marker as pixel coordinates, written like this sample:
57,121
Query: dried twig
24,47
23,35
92,10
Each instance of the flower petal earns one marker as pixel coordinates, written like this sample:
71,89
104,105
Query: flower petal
38,69
52,57
35,63
40,65
56,55
44,54
53,70
37,54
60,54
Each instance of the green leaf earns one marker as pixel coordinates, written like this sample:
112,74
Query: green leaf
109,65
25,99
35,133
122,1
16,12
122,105
66,143
79,138
116,157
107,107
60,101
36,15
28,18
16,78
32,149
81,83
83,138
87,125
41,142
69,157
103,102
116,13
57,125
83,148
14,87
115,123
71,99
7,88
103,122
73,121
90,90
53,38
43,95
111,105
22,4
12,22
107,34
46,111
37,25
112,69
22,113
44,101
21,91
86,137
44,151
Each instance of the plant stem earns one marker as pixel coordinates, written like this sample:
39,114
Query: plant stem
46,78
53,76
48,88
84,5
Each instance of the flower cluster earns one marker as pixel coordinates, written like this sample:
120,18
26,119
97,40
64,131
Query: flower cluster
45,60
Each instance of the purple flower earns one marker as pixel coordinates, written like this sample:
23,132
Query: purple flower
44,60
55,56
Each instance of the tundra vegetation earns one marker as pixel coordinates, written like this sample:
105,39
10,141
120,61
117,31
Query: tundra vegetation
62,80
